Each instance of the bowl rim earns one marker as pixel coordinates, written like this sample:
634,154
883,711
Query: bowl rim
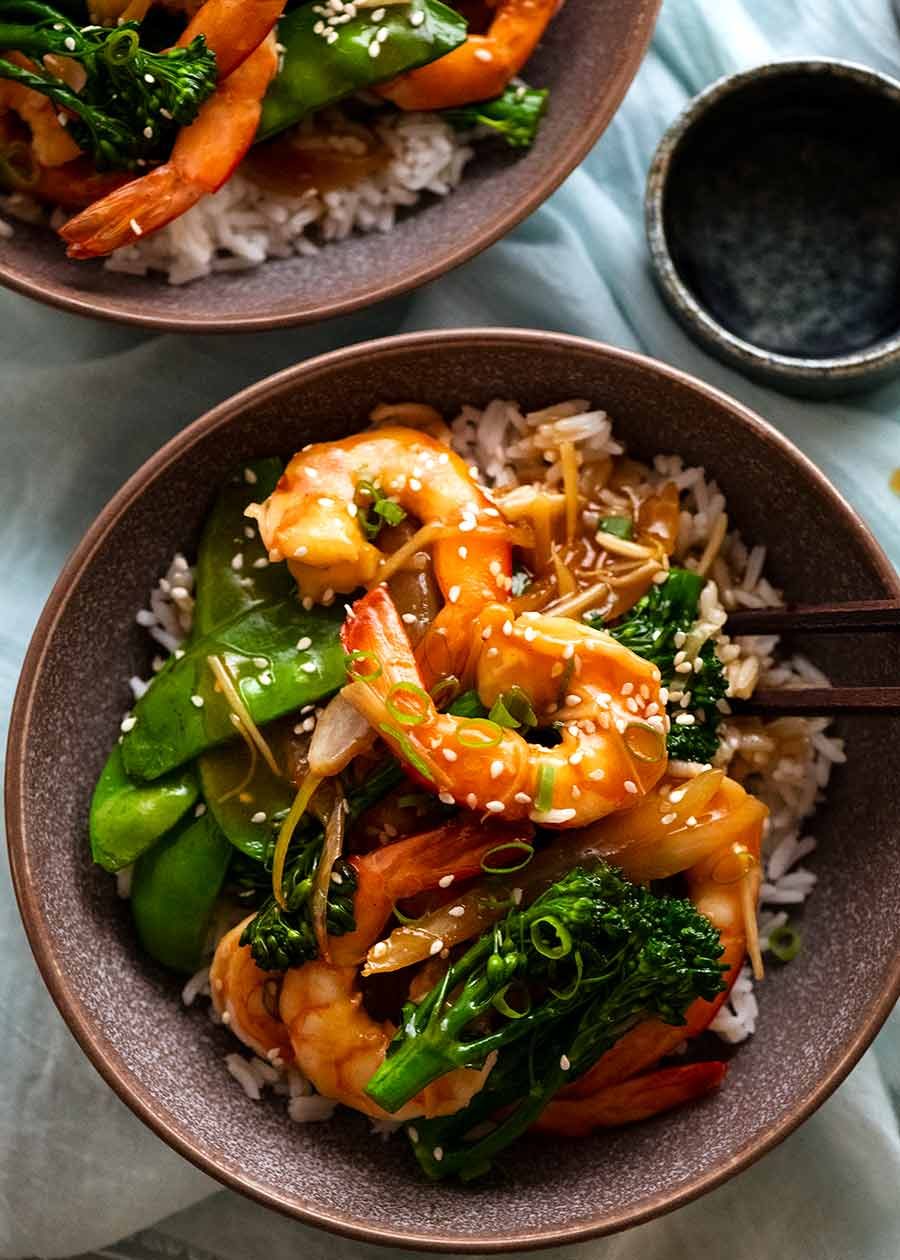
600,113
99,1051
880,358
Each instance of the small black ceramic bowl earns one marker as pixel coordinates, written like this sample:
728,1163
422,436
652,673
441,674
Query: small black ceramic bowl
772,208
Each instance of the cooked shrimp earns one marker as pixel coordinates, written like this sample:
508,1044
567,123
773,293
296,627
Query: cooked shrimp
339,1047
311,520
481,67
453,851
612,749
206,153
246,998
51,144
724,886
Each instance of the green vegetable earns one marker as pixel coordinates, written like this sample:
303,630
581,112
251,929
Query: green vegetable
649,629
618,526
521,580
174,892
223,591
314,72
513,710
183,714
596,955
467,705
281,938
127,818
516,115
785,942
226,768
133,101
379,512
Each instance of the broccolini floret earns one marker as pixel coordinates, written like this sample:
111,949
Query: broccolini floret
549,988
132,101
516,115
650,629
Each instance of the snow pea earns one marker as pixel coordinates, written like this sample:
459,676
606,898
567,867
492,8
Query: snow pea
185,712
127,818
174,892
233,570
316,72
264,793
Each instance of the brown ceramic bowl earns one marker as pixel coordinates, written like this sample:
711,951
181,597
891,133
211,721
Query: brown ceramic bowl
817,1015
587,59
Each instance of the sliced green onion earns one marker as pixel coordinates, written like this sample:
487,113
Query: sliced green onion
566,995
479,733
513,709
563,936
543,801
353,657
404,716
121,47
445,691
618,526
521,846
500,1003
644,743
407,750
785,942
414,800
404,918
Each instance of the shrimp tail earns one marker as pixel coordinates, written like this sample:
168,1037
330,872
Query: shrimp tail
136,209
630,1101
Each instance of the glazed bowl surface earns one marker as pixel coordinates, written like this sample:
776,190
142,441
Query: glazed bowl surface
500,188
167,1062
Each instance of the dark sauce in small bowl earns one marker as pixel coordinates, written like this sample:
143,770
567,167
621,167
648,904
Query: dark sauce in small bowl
774,221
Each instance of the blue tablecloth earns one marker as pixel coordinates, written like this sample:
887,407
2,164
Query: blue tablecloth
85,403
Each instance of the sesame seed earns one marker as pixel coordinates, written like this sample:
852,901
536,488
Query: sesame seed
667,819
627,688
300,552
328,597
453,594
307,725
374,50
487,632
445,881
632,705
555,816
413,1133
438,1153
529,634
467,524
135,227
685,719
148,132
456,912
568,651
564,1062
448,754
495,807
484,54
197,702
446,799
260,662
597,775
496,769
127,724
471,800
492,652
436,946
319,28
337,877
378,951
409,619
414,482
507,628
572,699
250,476
416,19
259,816
308,667
237,562
684,668
199,810
630,786
522,798
690,822
261,563
462,552
304,643
517,896
577,757
70,43
677,795
226,1017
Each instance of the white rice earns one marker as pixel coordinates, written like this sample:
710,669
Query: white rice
509,446
242,224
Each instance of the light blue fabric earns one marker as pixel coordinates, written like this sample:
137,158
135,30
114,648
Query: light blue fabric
86,403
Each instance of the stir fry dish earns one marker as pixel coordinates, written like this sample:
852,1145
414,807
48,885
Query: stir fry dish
126,113
433,774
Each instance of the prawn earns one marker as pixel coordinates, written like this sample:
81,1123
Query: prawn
338,1046
612,749
311,520
724,886
417,864
51,144
246,998
480,68
205,153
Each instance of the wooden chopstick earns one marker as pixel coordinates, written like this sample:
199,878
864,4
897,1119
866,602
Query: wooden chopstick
851,618
819,701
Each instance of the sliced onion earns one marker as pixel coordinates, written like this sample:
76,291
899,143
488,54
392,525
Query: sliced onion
331,850
341,734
